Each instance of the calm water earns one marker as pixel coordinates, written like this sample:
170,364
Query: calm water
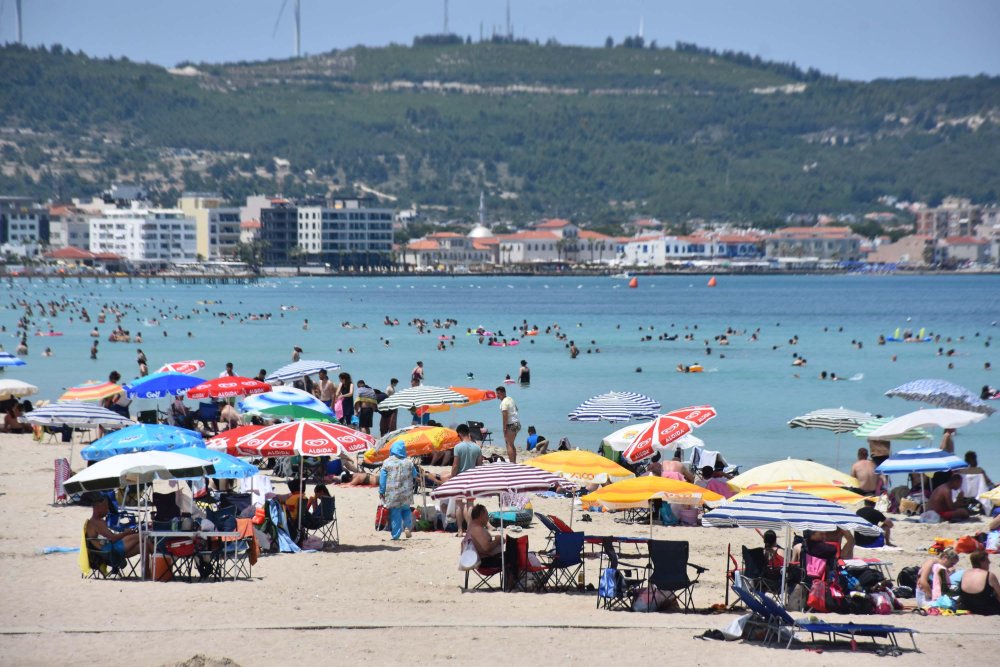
754,388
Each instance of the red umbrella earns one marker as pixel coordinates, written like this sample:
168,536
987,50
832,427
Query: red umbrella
667,429
186,367
307,438
228,386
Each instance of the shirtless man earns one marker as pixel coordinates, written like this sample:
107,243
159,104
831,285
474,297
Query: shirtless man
675,465
864,471
102,539
487,545
941,502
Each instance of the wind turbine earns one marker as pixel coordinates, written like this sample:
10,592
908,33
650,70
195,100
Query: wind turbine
298,26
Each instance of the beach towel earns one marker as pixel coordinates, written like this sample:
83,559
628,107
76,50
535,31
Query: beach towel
975,485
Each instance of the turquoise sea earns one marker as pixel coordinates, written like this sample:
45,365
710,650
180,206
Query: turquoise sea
754,387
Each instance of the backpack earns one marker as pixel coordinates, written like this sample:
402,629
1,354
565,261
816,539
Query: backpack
612,584
908,577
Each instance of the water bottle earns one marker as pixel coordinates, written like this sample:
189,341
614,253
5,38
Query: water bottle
175,524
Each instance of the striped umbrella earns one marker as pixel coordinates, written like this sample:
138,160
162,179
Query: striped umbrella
16,389
495,478
943,394
8,359
928,459
161,385
299,369
140,438
91,391
415,397
186,367
228,386
616,406
283,401
866,429
75,414
293,438
834,494
791,510
666,430
941,417
838,420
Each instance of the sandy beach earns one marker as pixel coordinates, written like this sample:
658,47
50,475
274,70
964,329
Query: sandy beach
374,600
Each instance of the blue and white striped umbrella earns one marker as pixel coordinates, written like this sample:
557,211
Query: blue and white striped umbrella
140,438
8,359
838,420
161,385
75,414
283,396
226,466
782,509
943,394
300,369
928,459
616,406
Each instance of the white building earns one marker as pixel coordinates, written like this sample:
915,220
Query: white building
660,250
146,236
69,227
24,227
223,231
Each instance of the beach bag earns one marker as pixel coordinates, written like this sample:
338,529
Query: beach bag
382,518
966,545
859,603
881,603
468,559
815,567
667,517
907,577
836,601
612,584
817,596
652,599
993,541
945,602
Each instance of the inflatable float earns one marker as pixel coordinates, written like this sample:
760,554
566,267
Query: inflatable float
908,337
48,333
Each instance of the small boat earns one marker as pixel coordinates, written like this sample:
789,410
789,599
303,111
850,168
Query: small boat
624,275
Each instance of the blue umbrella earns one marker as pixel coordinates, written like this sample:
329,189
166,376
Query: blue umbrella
226,466
161,385
8,359
141,437
943,394
283,397
928,459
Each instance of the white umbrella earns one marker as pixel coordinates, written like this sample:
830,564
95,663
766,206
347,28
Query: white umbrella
137,468
16,389
623,437
943,417
415,397
300,369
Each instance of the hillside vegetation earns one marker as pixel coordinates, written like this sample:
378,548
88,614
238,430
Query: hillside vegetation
595,134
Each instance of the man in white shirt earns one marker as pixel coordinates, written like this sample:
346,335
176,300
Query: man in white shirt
228,372
510,421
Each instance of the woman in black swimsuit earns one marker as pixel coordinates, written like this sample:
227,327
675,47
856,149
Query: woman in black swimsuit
986,600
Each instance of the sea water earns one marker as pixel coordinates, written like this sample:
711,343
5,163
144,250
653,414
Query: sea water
754,386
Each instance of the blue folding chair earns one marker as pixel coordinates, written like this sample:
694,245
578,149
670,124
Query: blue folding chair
567,562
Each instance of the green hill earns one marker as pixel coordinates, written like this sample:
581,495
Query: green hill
596,134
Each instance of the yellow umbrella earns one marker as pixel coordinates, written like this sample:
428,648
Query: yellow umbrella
797,469
92,391
638,491
829,492
581,466
993,495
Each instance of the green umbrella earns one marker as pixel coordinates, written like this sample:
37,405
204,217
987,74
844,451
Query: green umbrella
865,430
294,412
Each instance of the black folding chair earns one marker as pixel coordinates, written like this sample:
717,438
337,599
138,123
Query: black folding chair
328,530
624,581
669,560
478,432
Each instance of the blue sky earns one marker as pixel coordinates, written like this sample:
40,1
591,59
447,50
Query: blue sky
855,39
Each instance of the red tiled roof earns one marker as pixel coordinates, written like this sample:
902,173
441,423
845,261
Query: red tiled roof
485,241
554,223
69,252
423,245
444,235
250,224
739,239
965,240
587,234
530,236
108,257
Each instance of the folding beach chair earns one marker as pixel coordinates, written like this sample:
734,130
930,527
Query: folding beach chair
761,618
531,574
329,531
567,562
669,561
479,433
833,631
617,584
208,414
148,416
553,529
756,574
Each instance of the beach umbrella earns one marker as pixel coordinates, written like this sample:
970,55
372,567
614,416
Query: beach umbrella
161,385
137,468
642,491
474,395
416,397
295,412
75,414
623,437
943,417
791,510
139,438
419,440
16,389
834,494
866,429
494,479
91,391
286,398
226,466
839,420
304,438
993,495
228,386
929,459
186,367
300,369
943,394
667,429
616,406
581,466
8,359
785,469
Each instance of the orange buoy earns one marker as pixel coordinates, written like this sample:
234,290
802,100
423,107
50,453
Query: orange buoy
633,283
711,281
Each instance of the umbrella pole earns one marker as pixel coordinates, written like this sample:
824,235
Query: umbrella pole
650,519
784,564
838,450
302,460
503,548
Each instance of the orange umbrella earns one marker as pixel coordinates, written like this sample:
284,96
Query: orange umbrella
419,440
474,395
91,391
